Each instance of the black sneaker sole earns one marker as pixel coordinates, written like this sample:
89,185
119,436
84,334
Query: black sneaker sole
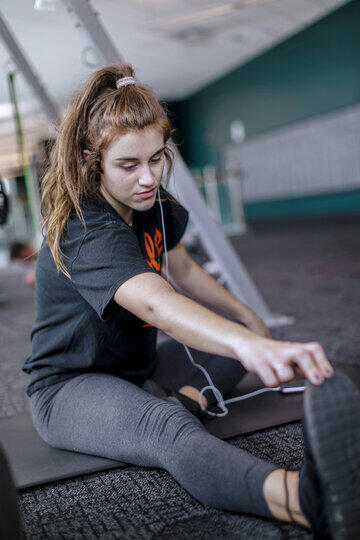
332,415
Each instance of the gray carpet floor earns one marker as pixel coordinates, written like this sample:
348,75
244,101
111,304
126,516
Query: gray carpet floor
310,272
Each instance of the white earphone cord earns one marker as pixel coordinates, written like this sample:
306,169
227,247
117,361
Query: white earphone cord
216,391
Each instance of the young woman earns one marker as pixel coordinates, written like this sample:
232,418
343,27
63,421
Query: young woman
100,299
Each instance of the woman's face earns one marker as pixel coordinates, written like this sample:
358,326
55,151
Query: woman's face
133,164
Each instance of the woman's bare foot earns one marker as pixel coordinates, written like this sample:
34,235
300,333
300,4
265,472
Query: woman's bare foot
275,496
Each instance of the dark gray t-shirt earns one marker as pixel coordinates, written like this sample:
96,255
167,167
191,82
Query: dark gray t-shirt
79,327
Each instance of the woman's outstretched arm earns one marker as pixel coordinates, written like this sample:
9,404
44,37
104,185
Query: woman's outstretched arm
194,281
155,301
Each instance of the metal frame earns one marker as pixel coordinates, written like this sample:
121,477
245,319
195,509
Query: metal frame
215,242
19,59
22,63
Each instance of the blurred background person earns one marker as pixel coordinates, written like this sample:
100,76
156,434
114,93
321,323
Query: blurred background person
23,255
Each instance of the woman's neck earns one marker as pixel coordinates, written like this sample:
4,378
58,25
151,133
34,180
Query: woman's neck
127,214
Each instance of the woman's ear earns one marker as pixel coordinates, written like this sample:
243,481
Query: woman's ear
86,153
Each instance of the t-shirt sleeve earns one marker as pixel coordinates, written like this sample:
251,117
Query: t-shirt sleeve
108,256
176,218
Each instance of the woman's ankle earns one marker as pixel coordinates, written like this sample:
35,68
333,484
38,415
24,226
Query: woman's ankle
193,393
275,496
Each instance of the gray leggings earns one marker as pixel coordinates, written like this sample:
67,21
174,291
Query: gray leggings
104,415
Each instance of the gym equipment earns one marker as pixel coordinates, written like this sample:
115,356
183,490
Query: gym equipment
26,165
18,57
4,205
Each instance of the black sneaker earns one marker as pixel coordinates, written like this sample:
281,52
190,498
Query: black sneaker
175,397
329,488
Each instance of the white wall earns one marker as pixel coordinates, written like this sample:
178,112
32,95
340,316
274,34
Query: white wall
319,155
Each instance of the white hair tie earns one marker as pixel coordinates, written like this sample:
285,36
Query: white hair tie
125,81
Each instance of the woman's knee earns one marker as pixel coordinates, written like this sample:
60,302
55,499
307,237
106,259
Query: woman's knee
145,433
163,425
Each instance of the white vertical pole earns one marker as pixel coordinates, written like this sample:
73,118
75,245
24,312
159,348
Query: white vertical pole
211,192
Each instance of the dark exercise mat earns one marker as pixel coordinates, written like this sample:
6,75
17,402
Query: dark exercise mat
265,410
34,462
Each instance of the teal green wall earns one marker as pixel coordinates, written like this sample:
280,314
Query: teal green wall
312,73
332,204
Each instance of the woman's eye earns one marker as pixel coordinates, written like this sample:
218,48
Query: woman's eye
156,160
130,167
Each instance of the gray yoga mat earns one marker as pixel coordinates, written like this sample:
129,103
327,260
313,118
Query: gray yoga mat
34,462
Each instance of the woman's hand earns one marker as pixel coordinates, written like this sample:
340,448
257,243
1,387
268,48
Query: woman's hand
276,362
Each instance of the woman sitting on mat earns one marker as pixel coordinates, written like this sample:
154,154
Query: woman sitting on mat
100,299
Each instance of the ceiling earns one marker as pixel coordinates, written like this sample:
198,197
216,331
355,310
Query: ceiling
175,46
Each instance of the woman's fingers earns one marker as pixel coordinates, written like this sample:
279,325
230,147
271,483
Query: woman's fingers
320,358
267,375
284,372
297,369
274,375
277,362
311,360
309,367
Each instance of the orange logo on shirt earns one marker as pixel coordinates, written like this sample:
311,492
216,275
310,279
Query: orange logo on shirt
154,248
